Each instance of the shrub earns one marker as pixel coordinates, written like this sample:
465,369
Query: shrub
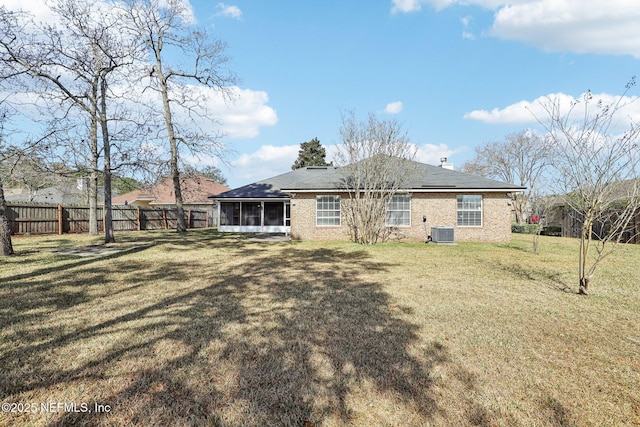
524,228
547,230
552,230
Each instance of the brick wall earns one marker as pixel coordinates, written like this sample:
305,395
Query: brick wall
439,208
303,220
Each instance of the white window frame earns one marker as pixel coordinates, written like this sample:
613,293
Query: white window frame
469,204
392,206
326,211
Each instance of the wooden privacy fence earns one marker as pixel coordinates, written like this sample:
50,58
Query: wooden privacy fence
572,223
36,218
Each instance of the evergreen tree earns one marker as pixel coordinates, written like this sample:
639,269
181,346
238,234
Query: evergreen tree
311,153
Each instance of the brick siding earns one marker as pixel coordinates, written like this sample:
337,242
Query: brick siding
439,208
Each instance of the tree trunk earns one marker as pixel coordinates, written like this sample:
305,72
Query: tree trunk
93,177
173,145
109,236
585,243
6,248
517,210
584,286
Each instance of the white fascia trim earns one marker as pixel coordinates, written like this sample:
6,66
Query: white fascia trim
230,199
466,190
424,190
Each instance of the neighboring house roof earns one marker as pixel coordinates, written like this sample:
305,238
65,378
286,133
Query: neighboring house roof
428,178
67,194
195,190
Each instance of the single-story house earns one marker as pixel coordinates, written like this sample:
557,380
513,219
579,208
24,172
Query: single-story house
308,203
195,195
66,192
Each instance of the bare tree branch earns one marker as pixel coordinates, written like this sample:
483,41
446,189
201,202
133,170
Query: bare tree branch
375,157
598,174
163,28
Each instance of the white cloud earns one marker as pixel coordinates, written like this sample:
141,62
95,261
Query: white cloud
267,161
243,117
587,26
240,115
520,112
37,8
229,11
186,12
466,22
407,6
525,112
393,107
431,153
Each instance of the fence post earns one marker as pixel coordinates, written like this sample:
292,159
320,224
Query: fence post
60,219
164,218
189,218
139,219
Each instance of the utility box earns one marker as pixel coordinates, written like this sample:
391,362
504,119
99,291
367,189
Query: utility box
442,234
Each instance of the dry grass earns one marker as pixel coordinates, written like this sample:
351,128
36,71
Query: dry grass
213,330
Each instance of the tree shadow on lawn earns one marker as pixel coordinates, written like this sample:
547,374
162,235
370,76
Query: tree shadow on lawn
73,261
288,336
539,274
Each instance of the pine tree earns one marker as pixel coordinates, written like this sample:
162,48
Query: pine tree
311,153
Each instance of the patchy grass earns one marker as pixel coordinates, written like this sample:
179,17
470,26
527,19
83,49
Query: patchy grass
216,330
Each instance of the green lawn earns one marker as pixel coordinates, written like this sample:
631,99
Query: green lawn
217,330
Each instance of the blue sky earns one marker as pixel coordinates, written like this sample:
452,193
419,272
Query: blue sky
455,73
442,64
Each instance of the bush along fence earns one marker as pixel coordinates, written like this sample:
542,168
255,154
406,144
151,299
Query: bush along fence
36,218
547,230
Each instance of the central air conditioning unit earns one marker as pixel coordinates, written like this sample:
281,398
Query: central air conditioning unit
442,234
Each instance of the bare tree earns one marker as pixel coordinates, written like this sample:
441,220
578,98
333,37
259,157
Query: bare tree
522,159
10,155
598,172
61,72
164,27
6,246
542,207
30,173
71,64
376,156
99,35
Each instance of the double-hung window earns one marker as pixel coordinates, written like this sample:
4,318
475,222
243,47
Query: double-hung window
470,210
327,210
399,211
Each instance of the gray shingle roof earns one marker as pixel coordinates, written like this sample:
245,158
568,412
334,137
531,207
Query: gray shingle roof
331,178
